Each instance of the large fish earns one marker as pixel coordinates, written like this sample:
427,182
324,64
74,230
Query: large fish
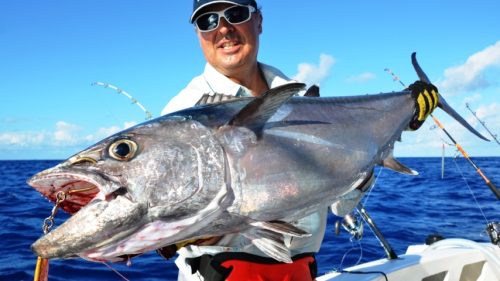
243,165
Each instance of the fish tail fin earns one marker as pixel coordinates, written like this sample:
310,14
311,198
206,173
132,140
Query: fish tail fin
442,102
448,109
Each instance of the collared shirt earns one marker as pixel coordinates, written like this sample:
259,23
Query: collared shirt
212,82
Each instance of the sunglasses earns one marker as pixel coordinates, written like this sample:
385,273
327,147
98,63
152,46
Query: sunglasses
234,15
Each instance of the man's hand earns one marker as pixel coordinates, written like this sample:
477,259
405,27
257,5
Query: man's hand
426,98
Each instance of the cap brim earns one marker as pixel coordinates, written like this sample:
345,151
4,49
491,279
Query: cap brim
196,12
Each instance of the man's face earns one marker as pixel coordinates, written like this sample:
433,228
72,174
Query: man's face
229,47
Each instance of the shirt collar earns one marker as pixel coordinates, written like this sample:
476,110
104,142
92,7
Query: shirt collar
273,76
218,83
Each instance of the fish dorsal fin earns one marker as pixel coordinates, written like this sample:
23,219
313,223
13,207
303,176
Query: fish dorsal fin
256,113
313,91
393,164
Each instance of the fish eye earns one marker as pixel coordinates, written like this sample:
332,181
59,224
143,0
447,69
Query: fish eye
123,149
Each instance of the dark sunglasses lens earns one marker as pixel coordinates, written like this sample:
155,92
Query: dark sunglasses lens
237,14
207,22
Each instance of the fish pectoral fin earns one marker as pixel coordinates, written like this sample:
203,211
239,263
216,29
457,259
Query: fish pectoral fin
256,113
270,243
281,227
393,164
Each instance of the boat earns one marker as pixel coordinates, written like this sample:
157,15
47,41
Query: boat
444,260
438,259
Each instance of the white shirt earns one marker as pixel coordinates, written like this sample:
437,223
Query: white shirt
211,82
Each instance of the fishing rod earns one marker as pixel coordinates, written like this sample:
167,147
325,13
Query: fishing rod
389,251
493,188
120,91
425,79
354,227
494,136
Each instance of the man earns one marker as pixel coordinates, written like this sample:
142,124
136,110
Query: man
231,54
228,31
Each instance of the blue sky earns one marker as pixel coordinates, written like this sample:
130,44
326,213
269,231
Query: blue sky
52,51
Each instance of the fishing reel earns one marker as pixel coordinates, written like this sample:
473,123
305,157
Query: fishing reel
493,230
352,224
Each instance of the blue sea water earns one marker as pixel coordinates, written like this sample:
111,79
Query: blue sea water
406,209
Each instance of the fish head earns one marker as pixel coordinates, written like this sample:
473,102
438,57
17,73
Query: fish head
164,169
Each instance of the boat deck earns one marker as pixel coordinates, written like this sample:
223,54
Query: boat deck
445,260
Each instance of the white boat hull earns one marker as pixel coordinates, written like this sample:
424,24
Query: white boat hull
445,260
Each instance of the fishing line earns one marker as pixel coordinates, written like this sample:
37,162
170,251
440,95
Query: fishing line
360,247
342,271
470,189
116,271
367,196
447,143
42,265
494,136
366,272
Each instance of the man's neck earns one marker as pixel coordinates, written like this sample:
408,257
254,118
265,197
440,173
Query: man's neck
252,79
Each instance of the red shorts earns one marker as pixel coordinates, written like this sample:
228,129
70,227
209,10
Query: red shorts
243,266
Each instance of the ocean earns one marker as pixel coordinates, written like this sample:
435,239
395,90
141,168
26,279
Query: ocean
406,209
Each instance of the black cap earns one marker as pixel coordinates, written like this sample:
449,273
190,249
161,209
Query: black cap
200,4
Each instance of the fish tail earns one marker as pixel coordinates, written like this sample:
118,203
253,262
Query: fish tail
442,102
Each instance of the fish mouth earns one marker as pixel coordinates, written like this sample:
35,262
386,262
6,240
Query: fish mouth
90,197
69,190
102,211
99,224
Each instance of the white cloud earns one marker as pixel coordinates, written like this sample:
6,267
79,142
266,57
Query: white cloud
490,115
471,74
361,78
472,99
314,74
488,111
64,135
106,132
22,138
103,133
129,124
